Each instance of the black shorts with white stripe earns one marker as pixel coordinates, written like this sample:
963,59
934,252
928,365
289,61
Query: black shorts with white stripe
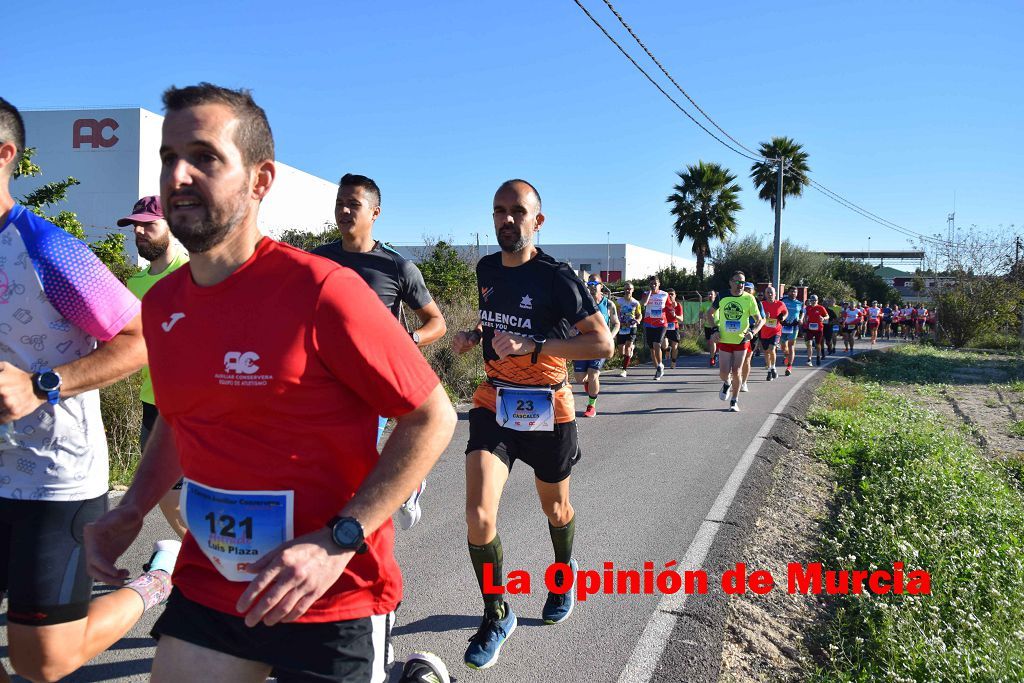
354,651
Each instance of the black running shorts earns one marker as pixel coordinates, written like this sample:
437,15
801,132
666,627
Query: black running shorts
626,337
352,651
654,335
43,563
672,336
550,454
709,332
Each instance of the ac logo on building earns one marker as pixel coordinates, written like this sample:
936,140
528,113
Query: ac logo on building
92,132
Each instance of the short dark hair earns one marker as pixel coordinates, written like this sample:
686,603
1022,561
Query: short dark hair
740,272
512,181
356,180
12,126
253,137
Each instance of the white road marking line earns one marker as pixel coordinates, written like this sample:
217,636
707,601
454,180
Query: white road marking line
644,660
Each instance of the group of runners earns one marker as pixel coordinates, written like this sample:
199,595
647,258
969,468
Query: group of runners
270,376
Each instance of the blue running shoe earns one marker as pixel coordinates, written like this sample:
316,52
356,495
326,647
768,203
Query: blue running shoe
557,608
485,646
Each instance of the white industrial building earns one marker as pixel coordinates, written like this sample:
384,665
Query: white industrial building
115,155
614,262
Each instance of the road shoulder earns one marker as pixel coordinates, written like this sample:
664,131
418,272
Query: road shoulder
766,527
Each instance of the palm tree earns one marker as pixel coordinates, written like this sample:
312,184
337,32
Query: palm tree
765,173
704,203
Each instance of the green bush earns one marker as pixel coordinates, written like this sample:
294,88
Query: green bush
912,489
122,419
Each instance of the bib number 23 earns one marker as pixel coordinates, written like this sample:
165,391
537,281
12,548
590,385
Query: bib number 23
526,410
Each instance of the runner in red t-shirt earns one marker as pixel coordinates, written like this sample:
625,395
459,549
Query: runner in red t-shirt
774,313
270,367
815,320
673,325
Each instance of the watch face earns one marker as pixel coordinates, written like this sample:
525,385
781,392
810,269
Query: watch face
347,533
49,381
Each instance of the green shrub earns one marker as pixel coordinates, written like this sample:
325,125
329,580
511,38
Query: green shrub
122,419
912,489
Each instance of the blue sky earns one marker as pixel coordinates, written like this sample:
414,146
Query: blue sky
899,104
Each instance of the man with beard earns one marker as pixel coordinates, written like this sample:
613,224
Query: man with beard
59,301
153,240
270,366
392,278
524,409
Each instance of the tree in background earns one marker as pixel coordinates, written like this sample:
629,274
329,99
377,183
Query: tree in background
109,249
448,276
309,240
866,283
753,255
704,203
765,173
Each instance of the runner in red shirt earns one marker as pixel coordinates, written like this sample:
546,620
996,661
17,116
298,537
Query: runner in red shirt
815,320
673,326
774,313
270,367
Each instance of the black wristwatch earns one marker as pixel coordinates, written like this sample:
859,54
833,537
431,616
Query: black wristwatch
347,533
415,337
538,344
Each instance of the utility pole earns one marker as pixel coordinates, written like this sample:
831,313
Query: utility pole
777,258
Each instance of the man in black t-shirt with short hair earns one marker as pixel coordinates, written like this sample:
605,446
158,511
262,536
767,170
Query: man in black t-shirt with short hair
524,410
393,278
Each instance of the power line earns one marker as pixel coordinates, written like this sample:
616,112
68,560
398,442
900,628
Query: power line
678,87
884,222
660,89
759,158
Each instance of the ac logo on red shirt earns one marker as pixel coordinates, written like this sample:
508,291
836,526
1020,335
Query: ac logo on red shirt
241,363
95,135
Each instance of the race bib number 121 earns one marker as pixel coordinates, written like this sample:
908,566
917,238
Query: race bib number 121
236,528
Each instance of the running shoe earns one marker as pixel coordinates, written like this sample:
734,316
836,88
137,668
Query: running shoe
789,371
424,667
591,411
410,512
557,608
673,365
734,406
485,645
819,360
770,378
809,362
711,362
622,374
659,370
744,387
724,393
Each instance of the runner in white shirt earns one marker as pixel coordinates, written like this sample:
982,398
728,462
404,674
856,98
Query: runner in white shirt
874,320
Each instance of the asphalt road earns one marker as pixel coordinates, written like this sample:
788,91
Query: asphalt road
654,461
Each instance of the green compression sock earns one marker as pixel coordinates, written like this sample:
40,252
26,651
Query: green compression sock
489,553
561,539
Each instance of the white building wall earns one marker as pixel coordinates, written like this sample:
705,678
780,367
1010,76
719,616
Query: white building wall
117,161
297,200
105,159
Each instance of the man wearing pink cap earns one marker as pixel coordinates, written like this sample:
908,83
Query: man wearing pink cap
165,255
